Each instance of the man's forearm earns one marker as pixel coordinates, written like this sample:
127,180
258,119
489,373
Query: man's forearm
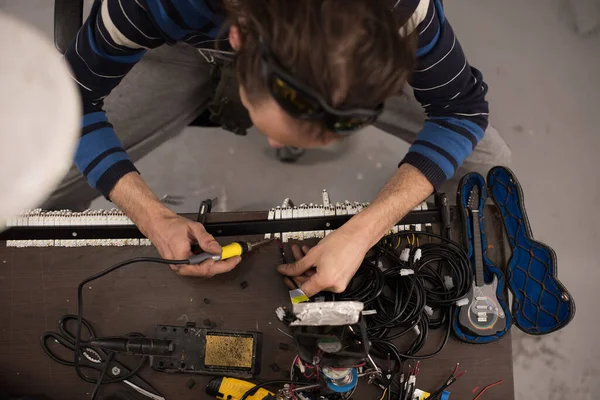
403,192
134,198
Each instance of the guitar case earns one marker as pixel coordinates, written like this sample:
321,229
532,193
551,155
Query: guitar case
540,302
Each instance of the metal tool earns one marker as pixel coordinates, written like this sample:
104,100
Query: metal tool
231,250
92,358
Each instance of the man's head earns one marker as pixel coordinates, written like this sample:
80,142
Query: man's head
348,52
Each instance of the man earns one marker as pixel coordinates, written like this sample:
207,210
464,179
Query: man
310,72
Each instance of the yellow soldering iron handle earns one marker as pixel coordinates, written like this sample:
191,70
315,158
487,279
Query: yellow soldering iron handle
233,389
232,250
228,251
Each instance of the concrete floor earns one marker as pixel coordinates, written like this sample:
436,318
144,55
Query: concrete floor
543,94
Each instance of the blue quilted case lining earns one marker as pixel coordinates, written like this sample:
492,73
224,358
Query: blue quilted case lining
464,188
541,304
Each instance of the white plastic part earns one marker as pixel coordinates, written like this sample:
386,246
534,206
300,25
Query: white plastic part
406,272
417,329
448,282
41,116
428,310
405,254
280,312
462,302
418,255
301,365
326,200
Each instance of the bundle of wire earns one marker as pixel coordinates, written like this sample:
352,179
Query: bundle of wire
410,295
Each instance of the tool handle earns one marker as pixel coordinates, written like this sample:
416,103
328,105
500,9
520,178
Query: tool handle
232,250
200,258
234,389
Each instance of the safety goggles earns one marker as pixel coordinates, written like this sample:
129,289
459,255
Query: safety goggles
304,103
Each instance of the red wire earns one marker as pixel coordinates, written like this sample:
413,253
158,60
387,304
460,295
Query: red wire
488,387
455,369
292,392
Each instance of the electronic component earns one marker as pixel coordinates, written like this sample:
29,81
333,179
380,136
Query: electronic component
210,352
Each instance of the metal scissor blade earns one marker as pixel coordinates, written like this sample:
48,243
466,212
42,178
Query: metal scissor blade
142,391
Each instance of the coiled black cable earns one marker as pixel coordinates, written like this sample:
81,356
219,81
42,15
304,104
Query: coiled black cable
410,303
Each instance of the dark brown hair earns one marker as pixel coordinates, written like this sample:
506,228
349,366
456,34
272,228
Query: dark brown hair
350,51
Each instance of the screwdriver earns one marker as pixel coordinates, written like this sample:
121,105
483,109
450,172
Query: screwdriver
231,250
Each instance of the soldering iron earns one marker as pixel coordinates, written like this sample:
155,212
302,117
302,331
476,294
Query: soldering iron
229,251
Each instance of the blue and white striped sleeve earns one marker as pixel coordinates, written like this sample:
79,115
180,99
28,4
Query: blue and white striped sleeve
113,39
452,94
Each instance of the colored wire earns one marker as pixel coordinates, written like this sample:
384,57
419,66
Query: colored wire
384,393
253,390
488,387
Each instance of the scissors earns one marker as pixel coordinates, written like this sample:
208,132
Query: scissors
93,358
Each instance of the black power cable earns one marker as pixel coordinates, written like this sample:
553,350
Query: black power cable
101,379
411,296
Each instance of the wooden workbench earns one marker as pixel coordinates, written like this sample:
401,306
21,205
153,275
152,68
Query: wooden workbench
38,286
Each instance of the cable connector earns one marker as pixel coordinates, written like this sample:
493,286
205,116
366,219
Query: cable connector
462,302
406,272
417,330
428,310
421,395
280,312
448,282
418,255
405,254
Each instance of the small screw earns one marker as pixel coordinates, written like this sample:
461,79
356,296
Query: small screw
74,234
116,371
327,225
565,297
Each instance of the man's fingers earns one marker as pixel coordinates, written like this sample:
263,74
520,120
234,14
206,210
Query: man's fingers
298,267
297,252
310,272
205,240
312,286
209,268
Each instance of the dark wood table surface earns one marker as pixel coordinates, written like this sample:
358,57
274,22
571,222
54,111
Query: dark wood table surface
38,286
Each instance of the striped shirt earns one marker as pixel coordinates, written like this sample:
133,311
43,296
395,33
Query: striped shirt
118,33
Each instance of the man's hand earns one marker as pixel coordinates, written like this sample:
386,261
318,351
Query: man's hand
332,263
172,235
329,265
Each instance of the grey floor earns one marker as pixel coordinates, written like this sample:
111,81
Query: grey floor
544,87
